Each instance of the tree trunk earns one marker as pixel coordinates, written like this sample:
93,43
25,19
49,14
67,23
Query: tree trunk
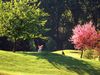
14,45
58,39
81,54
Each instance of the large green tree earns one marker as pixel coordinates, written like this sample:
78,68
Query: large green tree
21,20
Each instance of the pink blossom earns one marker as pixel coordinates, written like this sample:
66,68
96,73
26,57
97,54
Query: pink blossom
84,36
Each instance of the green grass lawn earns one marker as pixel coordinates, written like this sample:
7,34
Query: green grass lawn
32,63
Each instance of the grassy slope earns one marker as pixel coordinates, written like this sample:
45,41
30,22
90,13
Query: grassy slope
46,64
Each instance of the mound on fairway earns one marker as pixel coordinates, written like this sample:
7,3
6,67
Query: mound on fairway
32,63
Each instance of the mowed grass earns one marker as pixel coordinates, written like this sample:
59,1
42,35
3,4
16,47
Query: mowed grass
45,63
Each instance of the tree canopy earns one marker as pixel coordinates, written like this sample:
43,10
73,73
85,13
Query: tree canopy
20,20
63,16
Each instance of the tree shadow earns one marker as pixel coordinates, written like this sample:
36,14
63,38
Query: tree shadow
72,64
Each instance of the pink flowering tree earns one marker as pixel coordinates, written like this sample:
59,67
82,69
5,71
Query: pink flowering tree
84,36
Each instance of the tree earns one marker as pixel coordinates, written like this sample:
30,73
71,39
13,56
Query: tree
81,11
20,20
84,36
57,9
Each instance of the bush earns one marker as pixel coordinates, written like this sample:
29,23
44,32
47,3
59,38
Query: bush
88,54
96,55
51,44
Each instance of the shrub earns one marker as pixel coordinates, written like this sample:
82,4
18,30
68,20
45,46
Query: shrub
51,44
88,54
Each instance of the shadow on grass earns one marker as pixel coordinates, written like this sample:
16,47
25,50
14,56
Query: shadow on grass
69,63
2,73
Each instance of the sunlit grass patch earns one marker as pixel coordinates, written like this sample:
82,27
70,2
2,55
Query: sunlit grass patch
45,63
